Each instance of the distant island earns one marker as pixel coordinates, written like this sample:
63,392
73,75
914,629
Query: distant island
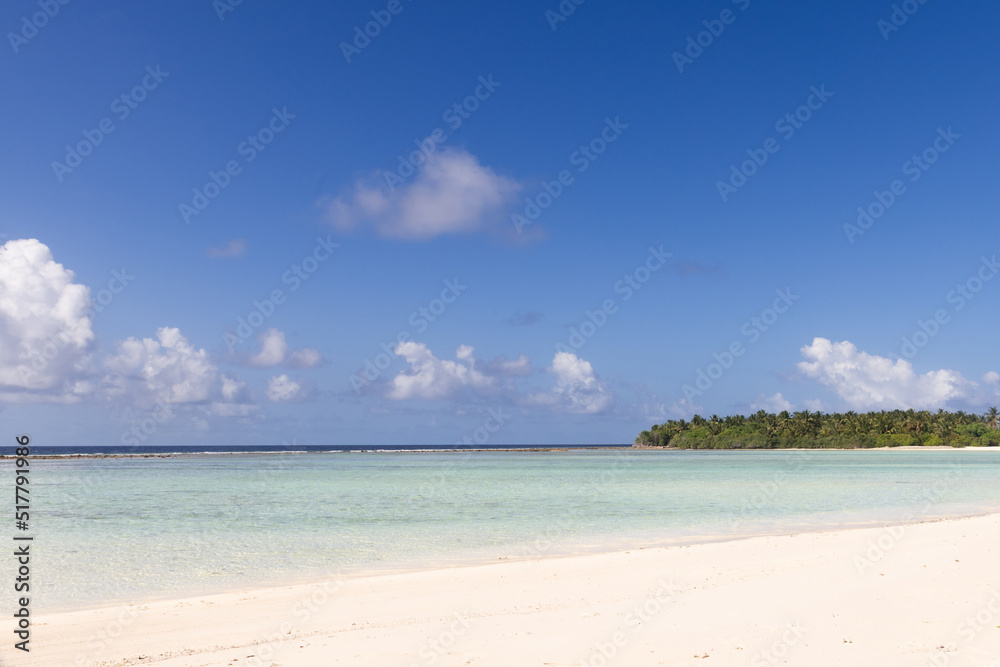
818,430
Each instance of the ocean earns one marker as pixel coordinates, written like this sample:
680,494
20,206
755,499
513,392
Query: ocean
123,530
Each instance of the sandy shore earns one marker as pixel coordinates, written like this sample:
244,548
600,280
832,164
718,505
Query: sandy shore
925,594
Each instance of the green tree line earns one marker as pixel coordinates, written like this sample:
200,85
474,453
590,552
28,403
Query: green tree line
813,430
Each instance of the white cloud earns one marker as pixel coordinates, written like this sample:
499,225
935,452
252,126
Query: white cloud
504,366
680,409
234,391
274,351
870,382
813,405
169,368
450,193
236,400
307,357
233,409
45,327
577,388
283,389
172,371
235,248
431,378
775,403
651,409
991,378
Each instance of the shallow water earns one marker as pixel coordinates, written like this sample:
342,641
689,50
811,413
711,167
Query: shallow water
122,530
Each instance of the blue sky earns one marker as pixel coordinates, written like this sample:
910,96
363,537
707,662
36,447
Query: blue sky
619,100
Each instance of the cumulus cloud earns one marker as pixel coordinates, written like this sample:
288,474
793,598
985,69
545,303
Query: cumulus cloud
235,248
45,327
577,390
679,409
169,368
813,405
775,403
171,371
274,351
871,382
431,378
222,409
450,193
234,391
648,406
307,357
504,366
235,400
283,389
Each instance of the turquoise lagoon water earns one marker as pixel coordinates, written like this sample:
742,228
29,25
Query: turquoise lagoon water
112,531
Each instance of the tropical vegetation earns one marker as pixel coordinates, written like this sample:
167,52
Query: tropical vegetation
765,430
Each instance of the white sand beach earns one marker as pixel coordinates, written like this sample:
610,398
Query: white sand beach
924,594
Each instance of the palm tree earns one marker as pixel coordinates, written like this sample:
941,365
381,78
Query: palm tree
845,429
993,418
715,425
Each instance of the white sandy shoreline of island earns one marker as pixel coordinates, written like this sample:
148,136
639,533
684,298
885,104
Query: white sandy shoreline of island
918,594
